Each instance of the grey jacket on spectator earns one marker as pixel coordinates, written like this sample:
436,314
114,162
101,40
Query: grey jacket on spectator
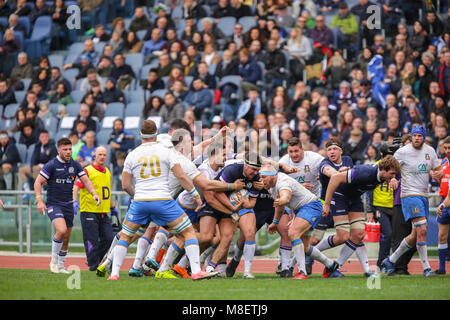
171,113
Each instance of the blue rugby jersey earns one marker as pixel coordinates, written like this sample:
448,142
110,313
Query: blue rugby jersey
60,178
362,178
264,203
324,180
235,171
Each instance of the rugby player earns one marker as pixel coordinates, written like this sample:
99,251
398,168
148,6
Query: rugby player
354,182
307,209
60,174
150,164
418,161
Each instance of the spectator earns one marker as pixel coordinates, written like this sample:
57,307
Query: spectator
392,13
116,42
40,9
30,102
140,21
355,146
28,133
300,115
401,45
100,34
238,36
223,10
266,8
345,27
165,65
8,47
22,9
189,29
24,69
210,55
86,153
300,51
336,72
418,40
153,82
249,72
192,9
175,74
85,116
433,25
95,110
240,10
112,93
55,78
443,76
83,67
162,16
120,141
153,107
119,27
344,94
86,84
105,66
122,73
61,95
283,18
132,44
251,107
77,144
371,156
207,78
58,12
362,11
6,95
9,160
254,34
321,34
199,99
170,111
89,52
13,24
209,27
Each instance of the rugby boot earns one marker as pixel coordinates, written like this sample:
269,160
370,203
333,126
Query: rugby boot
328,271
203,275
181,271
231,268
300,276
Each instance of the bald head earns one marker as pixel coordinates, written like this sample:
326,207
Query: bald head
100,154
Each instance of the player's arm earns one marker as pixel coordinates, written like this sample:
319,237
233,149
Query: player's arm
198,149
216,185
283,198
90,188
2,204
272,228
187,184
437,174
212,200
329,171
127,185
444,204
335,180
223,199
40,180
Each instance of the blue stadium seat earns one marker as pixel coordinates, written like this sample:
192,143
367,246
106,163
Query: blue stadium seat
134,109
78,86
188,80
39,42
25,21
73,109
77,95
141,34
20,37
99,46
54,108
20,95
7,123
61,134
137,95
159,93
103,136
115,109
70,74
177,13
30,152
226,25
136,61
247,23
165,79
145,70
22,153
76,48
26,83
51,124
70,58
200,24
56,60
207,9
4,22
212,69
11,110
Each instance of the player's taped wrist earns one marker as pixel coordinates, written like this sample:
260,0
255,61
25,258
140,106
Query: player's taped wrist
275,221
39,199
194,193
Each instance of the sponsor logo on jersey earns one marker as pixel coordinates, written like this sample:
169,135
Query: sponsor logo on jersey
249,185
71,170
422,167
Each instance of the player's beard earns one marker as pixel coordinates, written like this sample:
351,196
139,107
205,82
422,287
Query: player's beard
417,147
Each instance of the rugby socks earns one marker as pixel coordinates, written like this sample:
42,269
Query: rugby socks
361,253
170,257
184,262
62,258
347,250
142,248
285,256
293,263
207,253
402,248
221,267
109,259
8,180
319,256
120,251
299,252
249,254
442,252
423,254
26,186
238,253
56,248
325,244
193,254
211,267
160,239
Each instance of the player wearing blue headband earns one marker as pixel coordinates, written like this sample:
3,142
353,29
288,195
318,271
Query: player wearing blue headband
417,161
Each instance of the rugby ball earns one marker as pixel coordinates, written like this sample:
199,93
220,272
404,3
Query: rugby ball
234,196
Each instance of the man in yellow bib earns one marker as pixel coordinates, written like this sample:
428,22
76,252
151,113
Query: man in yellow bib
95,223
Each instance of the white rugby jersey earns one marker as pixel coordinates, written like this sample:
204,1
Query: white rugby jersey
150,164
309,169
188,167
300,195
416,165
165,140
185,199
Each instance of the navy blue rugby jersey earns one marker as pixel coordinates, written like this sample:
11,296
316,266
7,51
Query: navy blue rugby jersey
235,171
324,180
362,178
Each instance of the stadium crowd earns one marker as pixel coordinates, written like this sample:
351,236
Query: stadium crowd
308,69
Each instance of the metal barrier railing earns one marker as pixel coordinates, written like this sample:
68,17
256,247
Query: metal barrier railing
117,196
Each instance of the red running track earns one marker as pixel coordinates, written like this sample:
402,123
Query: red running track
259,265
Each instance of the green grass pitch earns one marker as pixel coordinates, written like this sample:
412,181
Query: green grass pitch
18,284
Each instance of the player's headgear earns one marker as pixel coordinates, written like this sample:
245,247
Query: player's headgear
252,159
419,130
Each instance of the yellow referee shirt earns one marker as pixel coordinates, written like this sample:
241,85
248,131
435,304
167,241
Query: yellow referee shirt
101,179
383,195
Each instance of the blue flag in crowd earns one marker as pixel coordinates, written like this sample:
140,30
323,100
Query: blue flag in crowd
375,72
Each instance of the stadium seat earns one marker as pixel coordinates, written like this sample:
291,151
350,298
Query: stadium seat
11,110
159,93
25,21
135,60
177,14
115,109
207,10
51,124
70,74
132,123
62,134
188,80
30,152
99,46
26,83
76,48
247,23
22,153
78,85
103,136
141,34
200,24
66,123
20,95
73,109
212,69
4,22
56,60
134,109
7,123
145,70
39,42
165,79
20,37
70,58
54,108
226,25
77,95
